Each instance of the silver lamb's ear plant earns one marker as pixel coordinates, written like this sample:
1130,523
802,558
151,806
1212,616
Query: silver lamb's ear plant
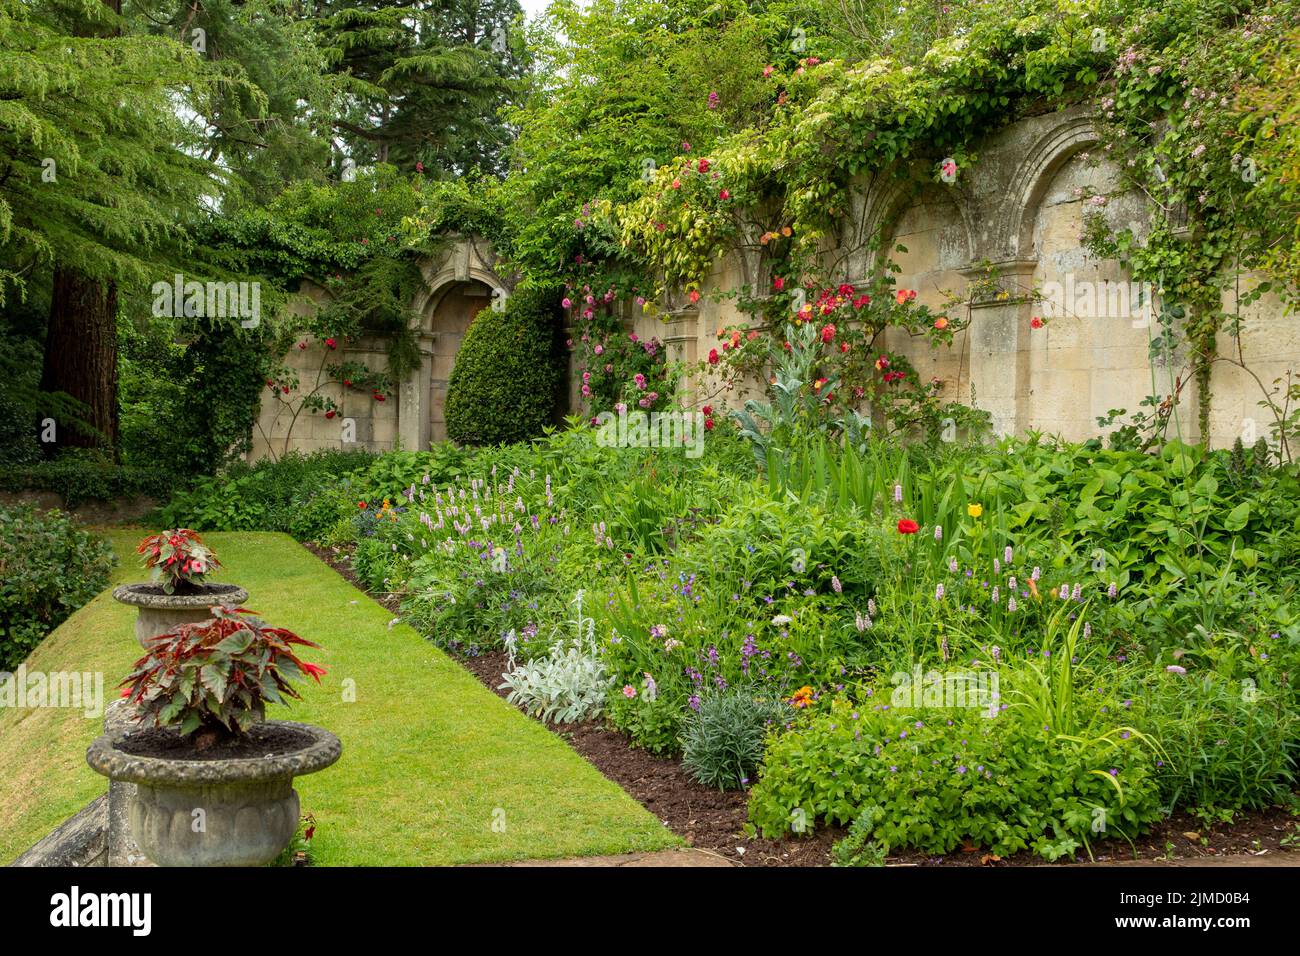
569,683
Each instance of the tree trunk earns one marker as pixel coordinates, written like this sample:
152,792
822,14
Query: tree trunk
81,356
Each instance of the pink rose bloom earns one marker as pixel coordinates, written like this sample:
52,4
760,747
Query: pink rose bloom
567,303
640,380
586,390
600,350
586,377
633,337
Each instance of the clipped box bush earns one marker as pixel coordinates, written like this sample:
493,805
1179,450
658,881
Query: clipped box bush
503,385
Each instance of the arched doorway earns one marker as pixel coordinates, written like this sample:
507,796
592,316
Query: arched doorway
451,317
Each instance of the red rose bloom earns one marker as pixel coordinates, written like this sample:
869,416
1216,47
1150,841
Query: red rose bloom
713,356
908,526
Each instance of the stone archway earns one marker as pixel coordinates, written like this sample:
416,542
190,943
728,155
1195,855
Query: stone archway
458,285
456,308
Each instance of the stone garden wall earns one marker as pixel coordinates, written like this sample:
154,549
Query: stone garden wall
1018,210
458,284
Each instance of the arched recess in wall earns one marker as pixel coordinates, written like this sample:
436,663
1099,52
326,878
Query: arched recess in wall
1092,354
1017,219
932,222
458,285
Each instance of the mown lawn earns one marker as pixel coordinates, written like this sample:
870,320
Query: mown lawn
431,758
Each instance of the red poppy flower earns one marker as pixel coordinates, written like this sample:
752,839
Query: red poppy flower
908,526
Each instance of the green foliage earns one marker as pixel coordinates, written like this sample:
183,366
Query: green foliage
1228,743
82,475
650,721
423,83
268,496
212,395
48,569
567,684
503,386
859,848
128,183
939,777
722,740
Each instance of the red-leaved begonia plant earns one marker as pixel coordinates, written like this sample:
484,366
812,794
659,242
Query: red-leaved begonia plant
178,560
214,678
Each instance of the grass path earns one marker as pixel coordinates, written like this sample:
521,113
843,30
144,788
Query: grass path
431,759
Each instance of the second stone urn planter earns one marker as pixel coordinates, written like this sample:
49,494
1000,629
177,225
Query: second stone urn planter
160,612
198,808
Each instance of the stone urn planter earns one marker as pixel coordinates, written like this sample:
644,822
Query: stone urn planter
206,808
160,612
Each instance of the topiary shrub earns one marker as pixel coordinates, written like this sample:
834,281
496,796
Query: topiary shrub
503,385
48,569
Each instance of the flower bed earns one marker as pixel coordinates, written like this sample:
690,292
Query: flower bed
1023,649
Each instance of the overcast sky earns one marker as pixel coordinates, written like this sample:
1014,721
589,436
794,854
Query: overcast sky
533,7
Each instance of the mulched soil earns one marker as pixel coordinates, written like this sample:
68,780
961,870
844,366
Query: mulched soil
261,741
714,820
188,590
